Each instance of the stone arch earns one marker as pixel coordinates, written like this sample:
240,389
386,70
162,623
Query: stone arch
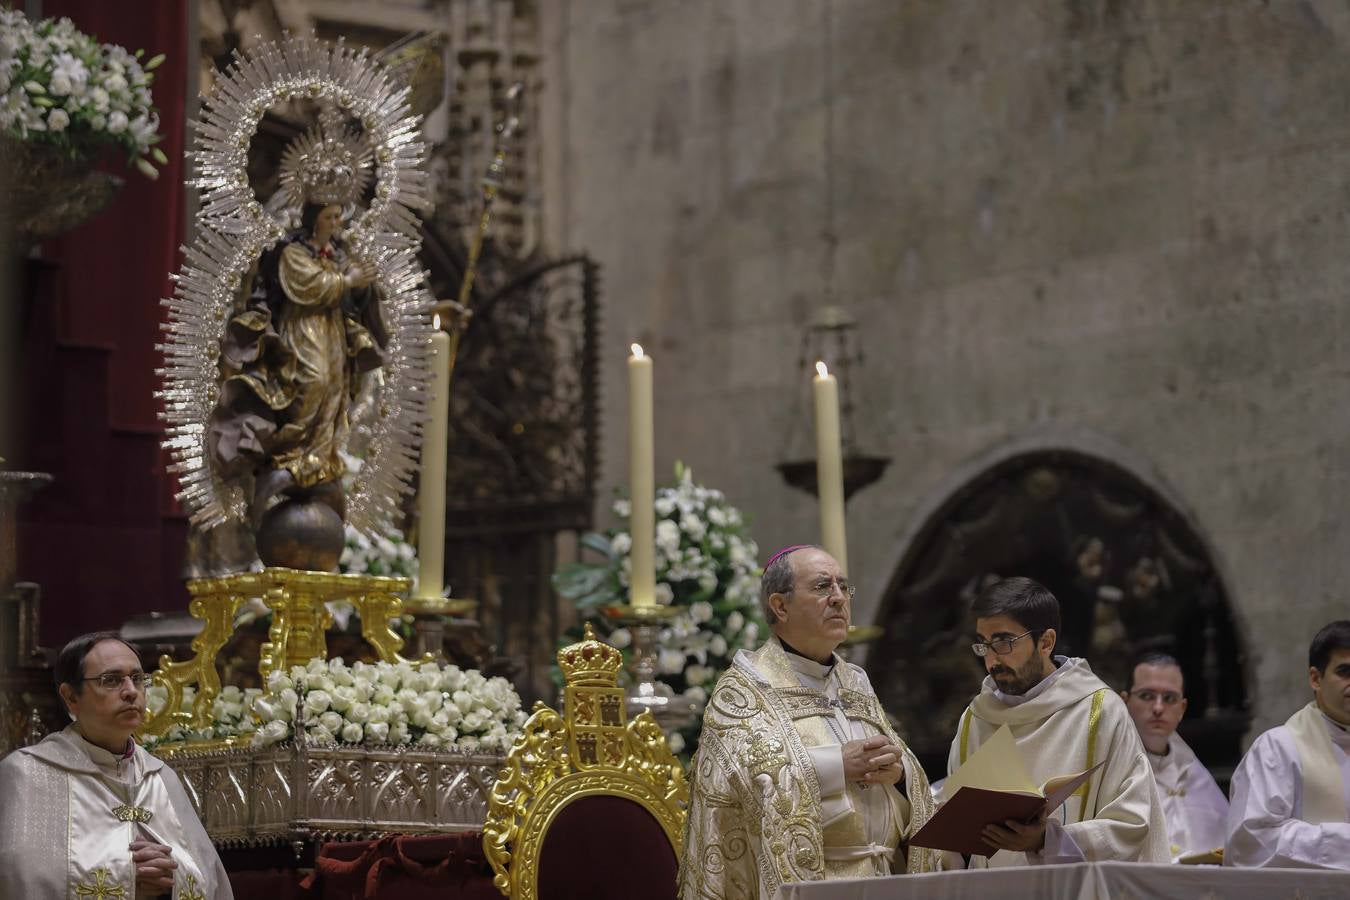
1131,567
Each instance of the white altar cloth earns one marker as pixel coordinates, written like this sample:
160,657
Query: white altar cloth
1086,881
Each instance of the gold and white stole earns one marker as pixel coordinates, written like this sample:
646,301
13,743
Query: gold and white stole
105,817
1323,786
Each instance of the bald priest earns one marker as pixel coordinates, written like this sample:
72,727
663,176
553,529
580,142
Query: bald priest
799,776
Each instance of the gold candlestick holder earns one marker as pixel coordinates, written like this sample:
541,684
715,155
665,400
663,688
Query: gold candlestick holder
644,692
431,615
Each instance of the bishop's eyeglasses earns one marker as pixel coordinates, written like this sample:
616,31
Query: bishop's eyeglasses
824,588
111,681
1000,646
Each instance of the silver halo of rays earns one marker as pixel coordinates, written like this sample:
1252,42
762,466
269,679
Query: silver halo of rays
234,229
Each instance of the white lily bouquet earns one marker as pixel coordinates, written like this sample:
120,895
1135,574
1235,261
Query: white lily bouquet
327,702
705,563
60,87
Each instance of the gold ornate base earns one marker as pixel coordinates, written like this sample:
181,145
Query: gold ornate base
299,620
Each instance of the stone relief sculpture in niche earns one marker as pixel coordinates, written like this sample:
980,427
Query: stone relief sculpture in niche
1128,568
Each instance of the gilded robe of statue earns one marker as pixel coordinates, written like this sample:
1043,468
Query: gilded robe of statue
762,812
71,810
290,361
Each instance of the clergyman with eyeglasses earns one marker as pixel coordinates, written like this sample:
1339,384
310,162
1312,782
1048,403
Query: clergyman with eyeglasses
799,775
1065,720
87,812
1195,809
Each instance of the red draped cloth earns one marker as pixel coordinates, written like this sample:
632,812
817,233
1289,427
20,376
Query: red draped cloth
92,419
408,867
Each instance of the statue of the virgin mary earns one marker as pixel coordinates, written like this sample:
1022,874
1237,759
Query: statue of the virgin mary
309,327
284,309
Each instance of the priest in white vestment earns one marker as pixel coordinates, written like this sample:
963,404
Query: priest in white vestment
1291,793
1065,720
799,776
87,812
1195,809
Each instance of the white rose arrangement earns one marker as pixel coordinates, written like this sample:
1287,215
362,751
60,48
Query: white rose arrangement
419,703
705,563
62,88
327,701
231,714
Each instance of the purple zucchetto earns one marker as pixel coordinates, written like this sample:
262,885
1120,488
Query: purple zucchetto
784,552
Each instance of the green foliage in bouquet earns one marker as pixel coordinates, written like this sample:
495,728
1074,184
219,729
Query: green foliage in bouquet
706,564
61,88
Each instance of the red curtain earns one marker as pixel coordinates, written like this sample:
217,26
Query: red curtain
117,265
98,541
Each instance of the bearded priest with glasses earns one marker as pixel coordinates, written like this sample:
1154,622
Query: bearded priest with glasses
799,775
1065,720
89,813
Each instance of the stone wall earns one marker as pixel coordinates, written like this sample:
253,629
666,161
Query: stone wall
1123,221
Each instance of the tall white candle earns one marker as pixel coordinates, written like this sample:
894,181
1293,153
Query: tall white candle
830,465
641,479
431,488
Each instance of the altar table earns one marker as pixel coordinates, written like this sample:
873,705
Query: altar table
1087,881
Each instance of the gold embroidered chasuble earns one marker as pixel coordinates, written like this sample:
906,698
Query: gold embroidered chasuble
755,816
1070,724
70,812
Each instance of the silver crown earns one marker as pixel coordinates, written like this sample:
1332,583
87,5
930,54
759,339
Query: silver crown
324,166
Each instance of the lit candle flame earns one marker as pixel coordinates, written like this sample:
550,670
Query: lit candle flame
637,351
821,370
436,321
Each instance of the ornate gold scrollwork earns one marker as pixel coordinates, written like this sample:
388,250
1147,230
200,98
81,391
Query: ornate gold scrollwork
299,618
589,751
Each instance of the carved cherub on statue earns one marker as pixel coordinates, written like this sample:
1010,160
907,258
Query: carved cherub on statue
290,361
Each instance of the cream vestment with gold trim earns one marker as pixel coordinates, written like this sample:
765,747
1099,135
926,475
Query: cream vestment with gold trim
71,811
756,817
1069,722
1195,809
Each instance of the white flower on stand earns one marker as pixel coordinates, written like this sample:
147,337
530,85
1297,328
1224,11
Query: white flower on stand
706,565
698,674
668,538
670,662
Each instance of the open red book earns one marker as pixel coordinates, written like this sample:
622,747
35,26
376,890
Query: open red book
992,787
